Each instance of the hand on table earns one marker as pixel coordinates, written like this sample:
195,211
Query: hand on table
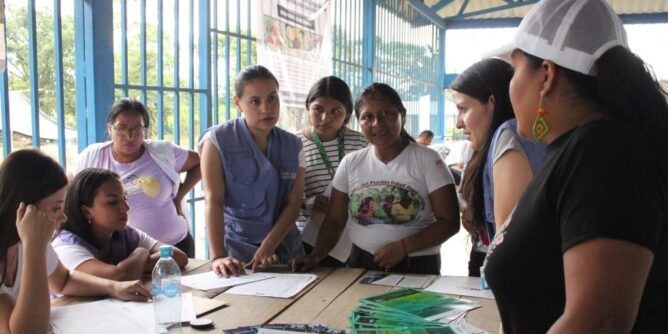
264,258
227,266
130,290
304,263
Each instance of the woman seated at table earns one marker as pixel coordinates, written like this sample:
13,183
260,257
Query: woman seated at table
32,192
329,104
150,172
96,238
253,175
409,179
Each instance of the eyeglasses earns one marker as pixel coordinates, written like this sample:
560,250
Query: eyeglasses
132,131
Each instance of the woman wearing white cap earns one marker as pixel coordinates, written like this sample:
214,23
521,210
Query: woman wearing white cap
586,249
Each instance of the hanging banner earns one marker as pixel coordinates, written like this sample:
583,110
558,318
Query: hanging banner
295,43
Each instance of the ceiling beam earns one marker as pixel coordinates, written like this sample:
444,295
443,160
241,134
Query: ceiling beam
428,13
440,5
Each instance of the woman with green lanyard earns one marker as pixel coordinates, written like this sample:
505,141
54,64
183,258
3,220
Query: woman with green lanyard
326,141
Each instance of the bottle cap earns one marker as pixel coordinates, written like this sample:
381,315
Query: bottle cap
201,323
165,251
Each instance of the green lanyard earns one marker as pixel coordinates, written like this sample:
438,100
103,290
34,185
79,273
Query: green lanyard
323,153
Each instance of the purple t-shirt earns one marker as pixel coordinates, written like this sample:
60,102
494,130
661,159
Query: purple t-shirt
149,193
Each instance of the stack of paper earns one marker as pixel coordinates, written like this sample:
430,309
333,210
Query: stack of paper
210,280
404,281
411,311
284,329
112,316
459,285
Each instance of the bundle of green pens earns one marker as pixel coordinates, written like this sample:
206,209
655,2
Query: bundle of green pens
408,311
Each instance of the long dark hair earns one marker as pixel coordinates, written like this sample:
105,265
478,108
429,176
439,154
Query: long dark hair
26,176
376,90
626,89
335,88
250,73
81,193
484,79
128,104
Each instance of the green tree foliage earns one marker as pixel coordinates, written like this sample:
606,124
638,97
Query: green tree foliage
18,59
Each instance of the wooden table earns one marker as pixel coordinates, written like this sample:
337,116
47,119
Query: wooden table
328,300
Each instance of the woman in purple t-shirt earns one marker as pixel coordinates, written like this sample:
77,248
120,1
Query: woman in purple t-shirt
150,173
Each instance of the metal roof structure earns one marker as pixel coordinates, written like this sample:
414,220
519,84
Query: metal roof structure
455,14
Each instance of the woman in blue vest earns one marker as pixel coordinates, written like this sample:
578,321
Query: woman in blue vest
96,238
502,163
253,174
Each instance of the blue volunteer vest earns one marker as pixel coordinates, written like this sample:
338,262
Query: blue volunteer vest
122,244
257,188
535,153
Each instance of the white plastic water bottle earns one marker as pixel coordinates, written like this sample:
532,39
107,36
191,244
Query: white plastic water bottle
166,291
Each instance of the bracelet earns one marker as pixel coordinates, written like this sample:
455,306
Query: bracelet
403,246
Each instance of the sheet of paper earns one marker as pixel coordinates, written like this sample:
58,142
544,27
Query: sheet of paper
112,316
209,280
460,285
280,286
405,281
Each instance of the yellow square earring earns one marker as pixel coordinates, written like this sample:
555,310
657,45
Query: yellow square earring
540,126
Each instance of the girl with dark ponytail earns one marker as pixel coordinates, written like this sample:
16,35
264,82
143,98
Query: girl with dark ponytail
586,249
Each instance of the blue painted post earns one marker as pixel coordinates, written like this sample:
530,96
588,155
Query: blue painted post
34,75
142,50
60,102
160,77
95,68
204,84
369,20
440,116
4,106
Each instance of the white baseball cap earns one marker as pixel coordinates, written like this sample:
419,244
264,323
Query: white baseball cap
570,33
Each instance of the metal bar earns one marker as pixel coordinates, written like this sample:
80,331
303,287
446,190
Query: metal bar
214,88
233,34
440,119
160,77
34,74
80,82
462,9
227,61
177,122
461,14
238,44
124,44
191,73
368,40
4,101
160,89
440,5
428,13
482,23
142,51
248,40
58,59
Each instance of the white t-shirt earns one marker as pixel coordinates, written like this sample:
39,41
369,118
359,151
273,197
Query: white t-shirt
51,264
388,202
74,255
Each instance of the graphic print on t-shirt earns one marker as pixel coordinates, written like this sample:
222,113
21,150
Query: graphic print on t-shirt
149,185
385,202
